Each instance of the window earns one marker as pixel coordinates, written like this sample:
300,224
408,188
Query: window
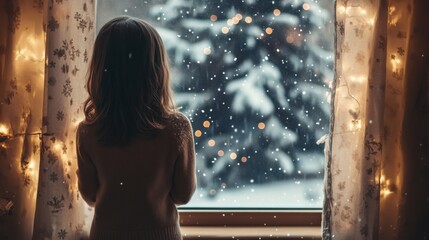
253,78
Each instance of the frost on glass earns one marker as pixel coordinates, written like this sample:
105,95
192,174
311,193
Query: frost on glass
252,76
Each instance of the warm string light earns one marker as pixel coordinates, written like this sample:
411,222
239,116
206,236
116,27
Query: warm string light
386,186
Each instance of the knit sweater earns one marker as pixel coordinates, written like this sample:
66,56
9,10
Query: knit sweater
135,188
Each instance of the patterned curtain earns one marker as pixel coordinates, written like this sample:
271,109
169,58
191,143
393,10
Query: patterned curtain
44,51
377,164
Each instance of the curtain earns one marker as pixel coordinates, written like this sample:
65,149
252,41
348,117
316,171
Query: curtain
377,163
44,52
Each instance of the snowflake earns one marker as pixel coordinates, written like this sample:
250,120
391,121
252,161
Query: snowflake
65,68
13,84
28,87
85,56
53,24
14,16
27,180
75,70
57,204
53,177
60,115
52,64
82,24
60,53
62,234
52,81
67,88
77,16
52,158
401,51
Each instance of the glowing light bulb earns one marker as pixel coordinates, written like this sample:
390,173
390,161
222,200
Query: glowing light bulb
261,125
211,143
248,19
306,6
220,153
225,30
233,155
198,133
276,12
207,51
213,18
239,16
268,30
206,124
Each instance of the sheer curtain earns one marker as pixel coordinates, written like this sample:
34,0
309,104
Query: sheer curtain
377,164
44,50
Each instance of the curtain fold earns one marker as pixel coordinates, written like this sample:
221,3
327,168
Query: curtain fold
44,52
377,157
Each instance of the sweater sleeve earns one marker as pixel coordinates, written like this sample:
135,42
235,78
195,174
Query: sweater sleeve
87,173
184,179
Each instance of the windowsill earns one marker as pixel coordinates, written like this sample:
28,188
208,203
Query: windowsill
251,232
251,224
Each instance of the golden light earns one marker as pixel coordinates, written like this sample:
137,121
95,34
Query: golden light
386,187
225,30
261,125
211,143
206,124
207,51
289,39
342,9
276,12
4,134
239,16
243,159
57,146
4,130
230,22
248,19
198,133
233,155
220,153
235,20
306,6
355,124
268,30
213,18
358,79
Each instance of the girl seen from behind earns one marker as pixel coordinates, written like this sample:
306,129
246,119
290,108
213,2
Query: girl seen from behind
136,154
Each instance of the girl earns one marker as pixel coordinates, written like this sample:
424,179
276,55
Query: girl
135,152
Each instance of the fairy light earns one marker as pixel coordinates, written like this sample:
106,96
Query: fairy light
233,155
268,30
230,22
306,6
220,153
213,18
243,159
235,20
248,19
198,133
239,16
386,186
211,143
261,125
276,12
206,124
207,51
225,30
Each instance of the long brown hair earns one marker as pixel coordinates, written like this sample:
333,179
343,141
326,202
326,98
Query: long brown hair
128,81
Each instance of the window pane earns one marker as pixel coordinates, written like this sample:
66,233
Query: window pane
253,78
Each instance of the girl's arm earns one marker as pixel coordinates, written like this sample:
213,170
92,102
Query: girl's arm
87,173
184,179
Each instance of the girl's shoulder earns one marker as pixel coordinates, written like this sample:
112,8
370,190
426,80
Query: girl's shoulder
180,126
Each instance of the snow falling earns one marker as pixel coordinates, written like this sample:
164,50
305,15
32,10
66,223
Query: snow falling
253,77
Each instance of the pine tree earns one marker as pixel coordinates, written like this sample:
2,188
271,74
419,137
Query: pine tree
251,76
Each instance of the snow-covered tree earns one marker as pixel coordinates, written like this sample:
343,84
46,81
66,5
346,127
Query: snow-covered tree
251,75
